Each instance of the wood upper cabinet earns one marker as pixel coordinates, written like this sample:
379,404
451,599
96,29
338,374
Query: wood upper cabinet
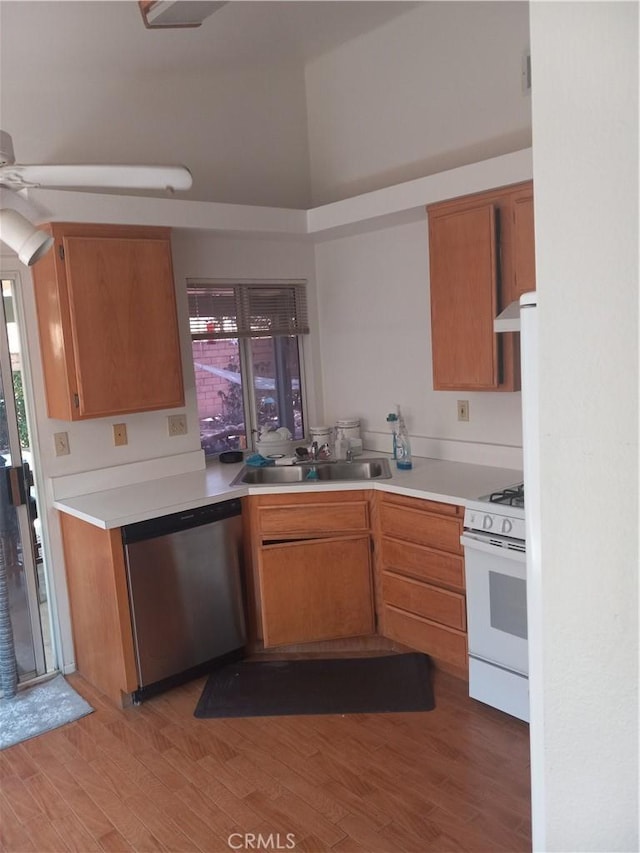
481,251
464,298
105,298
524,260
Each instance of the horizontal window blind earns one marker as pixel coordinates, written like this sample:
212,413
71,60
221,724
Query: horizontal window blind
246,309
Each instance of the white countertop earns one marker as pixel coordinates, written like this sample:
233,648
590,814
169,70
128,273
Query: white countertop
434,479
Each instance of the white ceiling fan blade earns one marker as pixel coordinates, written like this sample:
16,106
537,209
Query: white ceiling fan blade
111,177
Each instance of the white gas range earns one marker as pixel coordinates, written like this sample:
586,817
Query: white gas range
496,578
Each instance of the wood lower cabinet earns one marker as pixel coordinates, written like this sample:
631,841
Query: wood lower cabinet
315,590
99,601
481,258
105,298
312,578
420,575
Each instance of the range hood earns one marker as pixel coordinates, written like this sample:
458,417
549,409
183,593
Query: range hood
158,14
509,319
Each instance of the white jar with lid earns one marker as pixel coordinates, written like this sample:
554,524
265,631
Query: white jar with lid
349,428
318,432
322,435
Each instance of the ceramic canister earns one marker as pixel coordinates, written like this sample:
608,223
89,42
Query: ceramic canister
322,434
350,427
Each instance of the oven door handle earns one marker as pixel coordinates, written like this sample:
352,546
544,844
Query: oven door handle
484,544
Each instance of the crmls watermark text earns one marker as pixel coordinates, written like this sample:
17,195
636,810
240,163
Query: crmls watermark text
258,841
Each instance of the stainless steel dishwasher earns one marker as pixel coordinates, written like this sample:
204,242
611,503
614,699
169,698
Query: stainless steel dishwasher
185,593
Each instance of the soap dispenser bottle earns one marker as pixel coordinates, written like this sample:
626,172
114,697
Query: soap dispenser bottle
341,445
403,446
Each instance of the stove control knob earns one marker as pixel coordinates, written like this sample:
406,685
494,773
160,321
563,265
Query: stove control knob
487,522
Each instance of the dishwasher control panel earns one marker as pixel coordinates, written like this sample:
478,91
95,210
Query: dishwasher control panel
177,521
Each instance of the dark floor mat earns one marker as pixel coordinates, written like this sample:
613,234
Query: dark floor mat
365,685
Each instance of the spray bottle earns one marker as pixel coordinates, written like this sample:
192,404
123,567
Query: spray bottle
403,446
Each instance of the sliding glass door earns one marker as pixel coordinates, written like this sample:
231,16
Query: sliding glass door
23,591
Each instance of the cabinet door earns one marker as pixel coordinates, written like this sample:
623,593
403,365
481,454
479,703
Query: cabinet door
463,283
99,601
524,259
123,323
318,589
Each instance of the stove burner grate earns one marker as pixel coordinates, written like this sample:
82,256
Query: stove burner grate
513,496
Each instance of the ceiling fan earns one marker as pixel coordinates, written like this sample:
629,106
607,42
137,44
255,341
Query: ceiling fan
16,177
29,243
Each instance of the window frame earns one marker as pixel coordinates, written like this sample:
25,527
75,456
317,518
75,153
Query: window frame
245,355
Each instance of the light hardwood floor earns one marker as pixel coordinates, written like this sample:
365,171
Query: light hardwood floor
154,777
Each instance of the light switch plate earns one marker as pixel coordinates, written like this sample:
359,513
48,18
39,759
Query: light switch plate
177,424
61,440
463,410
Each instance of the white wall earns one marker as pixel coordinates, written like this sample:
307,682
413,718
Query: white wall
437,87
375,332
585,144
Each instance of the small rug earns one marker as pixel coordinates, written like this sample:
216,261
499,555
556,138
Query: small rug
366,685
39,709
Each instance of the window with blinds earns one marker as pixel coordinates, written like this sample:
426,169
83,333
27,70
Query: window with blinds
247,356
247,310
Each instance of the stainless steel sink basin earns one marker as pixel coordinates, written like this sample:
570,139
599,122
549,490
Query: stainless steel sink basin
273,474
359,469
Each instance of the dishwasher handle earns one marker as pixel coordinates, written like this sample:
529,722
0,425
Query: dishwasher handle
177,521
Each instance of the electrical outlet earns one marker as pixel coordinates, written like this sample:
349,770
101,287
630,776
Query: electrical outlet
463,410
120,435
177,424
61,440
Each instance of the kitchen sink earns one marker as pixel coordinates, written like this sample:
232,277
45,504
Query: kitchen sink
321,472
361,469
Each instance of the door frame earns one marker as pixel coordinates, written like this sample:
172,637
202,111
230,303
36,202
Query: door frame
9,269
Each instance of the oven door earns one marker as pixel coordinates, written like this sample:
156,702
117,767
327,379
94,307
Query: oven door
496,603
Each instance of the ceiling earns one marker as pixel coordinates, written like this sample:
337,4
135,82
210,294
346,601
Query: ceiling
89,37
85,81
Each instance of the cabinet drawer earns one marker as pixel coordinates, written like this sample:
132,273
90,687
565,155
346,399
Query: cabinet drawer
424,563
313,519
444,643
438,605
422,504
435,531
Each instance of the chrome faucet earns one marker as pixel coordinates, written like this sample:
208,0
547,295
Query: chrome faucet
349,456
325,452
313,451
